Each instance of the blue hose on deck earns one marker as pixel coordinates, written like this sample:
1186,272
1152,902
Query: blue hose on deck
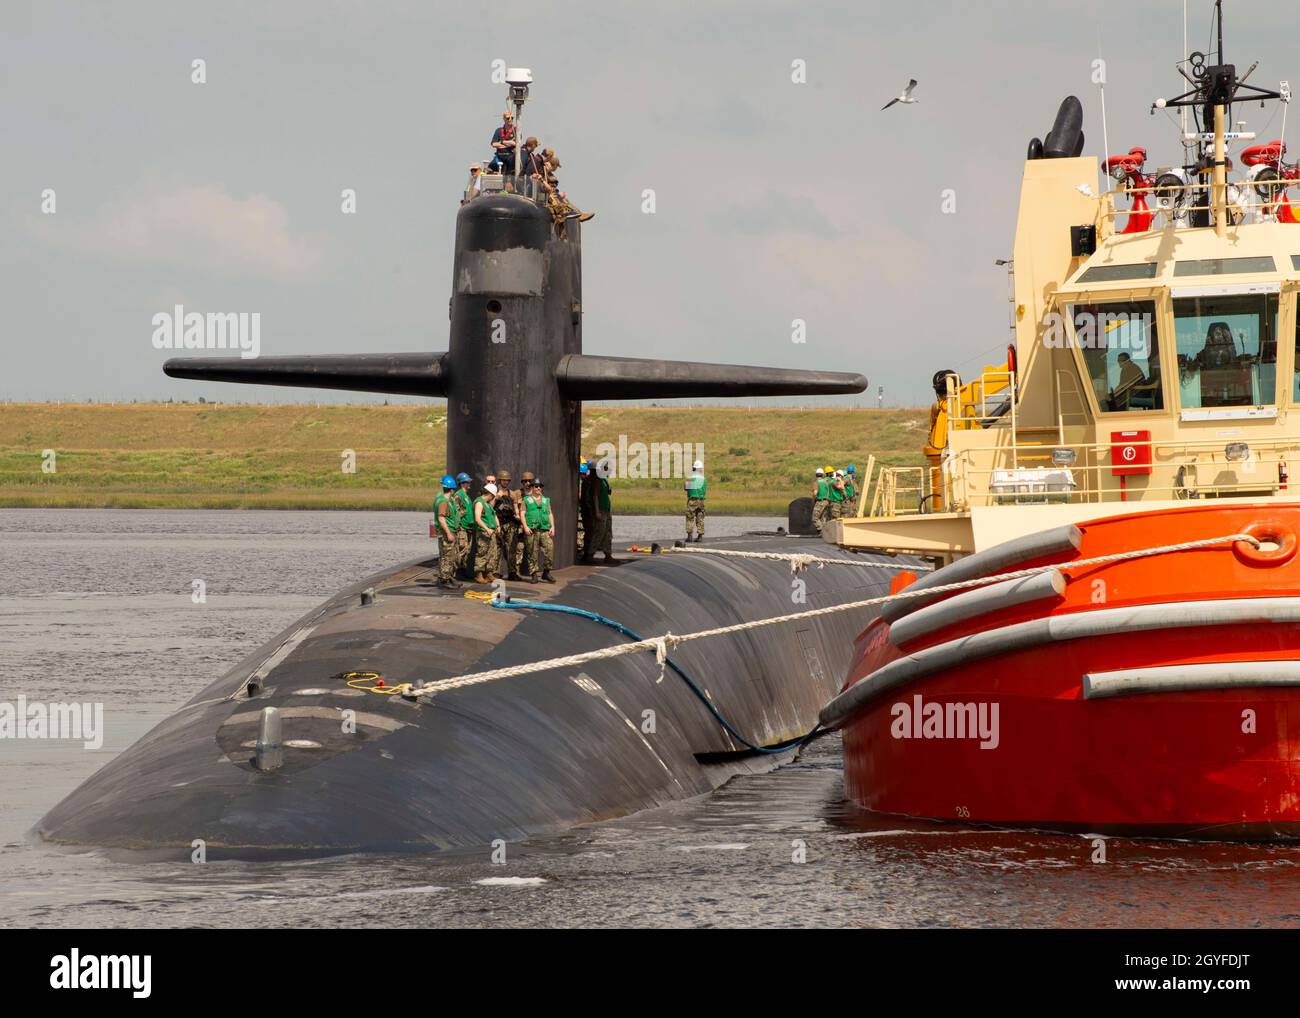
565,609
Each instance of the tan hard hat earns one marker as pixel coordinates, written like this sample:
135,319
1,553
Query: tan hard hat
527,475
503,475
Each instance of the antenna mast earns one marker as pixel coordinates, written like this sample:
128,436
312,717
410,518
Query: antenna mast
1218,7
1214,89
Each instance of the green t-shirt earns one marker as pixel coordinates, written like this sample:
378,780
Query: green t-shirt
850,492
466,509
453,510
696,486
602,496
489,515
836,495
537,512
823,489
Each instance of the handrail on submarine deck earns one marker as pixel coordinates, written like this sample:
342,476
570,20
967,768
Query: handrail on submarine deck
503,183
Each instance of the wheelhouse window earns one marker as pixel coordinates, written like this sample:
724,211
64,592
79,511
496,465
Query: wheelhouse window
1122,354
1227,349
1295,374
1224,266
1114,273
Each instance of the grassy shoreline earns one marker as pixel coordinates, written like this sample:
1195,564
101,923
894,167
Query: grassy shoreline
289,456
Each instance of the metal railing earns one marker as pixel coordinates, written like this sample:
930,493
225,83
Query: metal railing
502,183
988,403
1179,469
1244,205
1189,469
898,493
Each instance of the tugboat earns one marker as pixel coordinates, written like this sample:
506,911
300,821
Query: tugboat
1150,401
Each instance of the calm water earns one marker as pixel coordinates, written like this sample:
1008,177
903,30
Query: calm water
95,605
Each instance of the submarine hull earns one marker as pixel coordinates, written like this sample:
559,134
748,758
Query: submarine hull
504,759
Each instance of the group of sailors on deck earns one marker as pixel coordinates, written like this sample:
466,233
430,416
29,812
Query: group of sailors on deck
537,172
511,531
834,494
514,526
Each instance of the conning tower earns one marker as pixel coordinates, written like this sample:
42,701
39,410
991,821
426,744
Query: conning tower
514,374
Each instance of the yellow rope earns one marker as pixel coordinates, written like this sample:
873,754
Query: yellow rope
352,678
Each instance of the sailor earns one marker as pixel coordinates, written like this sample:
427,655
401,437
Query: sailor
597,496
821,500
485,526
487,479
938,437
525,486
446,511
465,507
696,487
584,522
836,508
1130,377
532,168
507,509
549,165
475,187
539,524
850,489
503,145
557,201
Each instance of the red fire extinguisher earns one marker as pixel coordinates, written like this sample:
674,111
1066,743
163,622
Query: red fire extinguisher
1281,475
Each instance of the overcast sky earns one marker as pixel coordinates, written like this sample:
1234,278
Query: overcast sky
775,200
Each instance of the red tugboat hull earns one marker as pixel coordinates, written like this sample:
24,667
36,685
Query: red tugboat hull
1158,696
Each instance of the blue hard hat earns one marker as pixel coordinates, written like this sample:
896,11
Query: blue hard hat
462,477
584,468
851,468
448,481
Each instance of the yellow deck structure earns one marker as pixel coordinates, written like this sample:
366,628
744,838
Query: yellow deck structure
1185,337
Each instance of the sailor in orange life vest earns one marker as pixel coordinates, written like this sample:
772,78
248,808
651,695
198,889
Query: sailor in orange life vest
503,145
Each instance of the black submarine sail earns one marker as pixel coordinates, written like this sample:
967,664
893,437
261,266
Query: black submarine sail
518,280
505,759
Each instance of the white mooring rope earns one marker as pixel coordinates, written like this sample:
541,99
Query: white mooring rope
662,646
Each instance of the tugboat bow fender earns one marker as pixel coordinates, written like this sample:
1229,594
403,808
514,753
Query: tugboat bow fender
1055,629
1191,678
973,603
999,558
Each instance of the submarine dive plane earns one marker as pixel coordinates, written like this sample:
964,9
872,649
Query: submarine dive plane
343,763
1147,416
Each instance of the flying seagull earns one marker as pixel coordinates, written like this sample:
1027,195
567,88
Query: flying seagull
904,96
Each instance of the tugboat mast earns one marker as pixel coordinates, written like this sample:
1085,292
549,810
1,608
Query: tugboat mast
1215,89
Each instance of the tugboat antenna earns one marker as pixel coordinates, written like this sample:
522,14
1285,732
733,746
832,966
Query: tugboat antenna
1218,8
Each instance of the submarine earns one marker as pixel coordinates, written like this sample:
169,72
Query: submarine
311,745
